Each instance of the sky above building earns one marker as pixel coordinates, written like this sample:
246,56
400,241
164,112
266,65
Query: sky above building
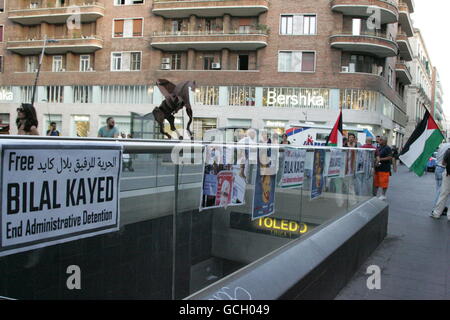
431,17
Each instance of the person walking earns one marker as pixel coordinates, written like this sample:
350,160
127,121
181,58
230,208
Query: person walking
26,121
438,172
52,132
383,168
110,130
445,188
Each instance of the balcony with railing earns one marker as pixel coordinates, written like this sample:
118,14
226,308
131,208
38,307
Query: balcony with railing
209,40
410,4
370,41
32,13
209,8
404,46
361,8
403,72
60,45
405,19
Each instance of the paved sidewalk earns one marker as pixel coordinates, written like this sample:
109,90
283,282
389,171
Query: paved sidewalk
415,256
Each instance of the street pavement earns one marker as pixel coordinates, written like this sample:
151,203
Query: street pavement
415,256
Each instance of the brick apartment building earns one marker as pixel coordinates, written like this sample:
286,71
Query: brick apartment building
240,52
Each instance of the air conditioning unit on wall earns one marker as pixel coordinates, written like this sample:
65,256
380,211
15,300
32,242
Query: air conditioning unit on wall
165,60
215,65
345,69
165,66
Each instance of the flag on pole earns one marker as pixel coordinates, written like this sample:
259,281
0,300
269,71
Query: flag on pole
423,142
335,137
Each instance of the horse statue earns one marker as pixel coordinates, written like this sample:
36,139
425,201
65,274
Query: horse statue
176,97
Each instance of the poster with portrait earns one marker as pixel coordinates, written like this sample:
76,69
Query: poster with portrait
369,160
360,160
336,159
350,162
264,194
317,179
224,183
293,167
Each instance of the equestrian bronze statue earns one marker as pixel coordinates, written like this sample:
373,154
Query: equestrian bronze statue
176,97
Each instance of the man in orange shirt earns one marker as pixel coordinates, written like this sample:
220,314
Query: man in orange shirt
383,167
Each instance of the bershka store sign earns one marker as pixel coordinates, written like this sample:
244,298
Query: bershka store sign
53,194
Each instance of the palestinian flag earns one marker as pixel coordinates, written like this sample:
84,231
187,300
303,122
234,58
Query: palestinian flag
335,137
423,142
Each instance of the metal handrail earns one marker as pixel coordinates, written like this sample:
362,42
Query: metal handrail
363,34
207,33
156,145
65,37
45,5
196,0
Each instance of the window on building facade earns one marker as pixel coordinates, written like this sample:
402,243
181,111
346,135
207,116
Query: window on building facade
1,33
55,94
127,28
243,62
126,94
207,63
241,96
1,63
31,63
355,99
201,125
57,65
135,61
390,78
82,94
80,126
363,64
296,61
298,24
25,93
175,61
127,2
2,5
125,61
85,63
207,95
177,25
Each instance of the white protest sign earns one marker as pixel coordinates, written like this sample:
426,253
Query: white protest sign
52,194
293,168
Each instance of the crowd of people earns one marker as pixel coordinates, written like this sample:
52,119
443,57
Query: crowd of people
27,124
386,157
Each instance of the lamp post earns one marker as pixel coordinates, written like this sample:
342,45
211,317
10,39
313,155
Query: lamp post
39,67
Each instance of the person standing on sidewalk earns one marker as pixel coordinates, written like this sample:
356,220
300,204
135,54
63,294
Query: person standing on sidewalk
110,130
445,188
395,157
27,122
369,144
383,167
439,171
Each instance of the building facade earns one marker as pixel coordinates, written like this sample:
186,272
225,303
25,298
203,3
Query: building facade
257,63
437,108
420,92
